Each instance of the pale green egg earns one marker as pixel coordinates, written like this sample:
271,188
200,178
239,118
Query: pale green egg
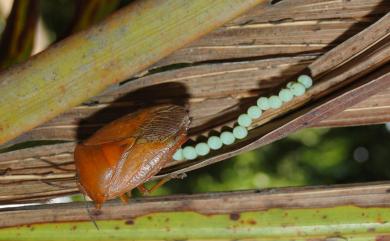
214,142
275,102
286,95
244,120
202,149
298,89
240,132
254,112
263,103
189,153
178,156
305,80
227,138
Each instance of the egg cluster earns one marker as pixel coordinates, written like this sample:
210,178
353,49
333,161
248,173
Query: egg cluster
292,90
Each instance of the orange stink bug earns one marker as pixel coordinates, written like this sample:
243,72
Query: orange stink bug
128,151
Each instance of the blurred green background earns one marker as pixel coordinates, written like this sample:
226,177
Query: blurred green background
309,157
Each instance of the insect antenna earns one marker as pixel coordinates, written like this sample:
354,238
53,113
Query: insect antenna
91,216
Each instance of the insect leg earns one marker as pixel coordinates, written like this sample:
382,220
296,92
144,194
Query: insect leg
124,198
160,183
143,190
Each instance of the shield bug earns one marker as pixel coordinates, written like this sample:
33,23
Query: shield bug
127,152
